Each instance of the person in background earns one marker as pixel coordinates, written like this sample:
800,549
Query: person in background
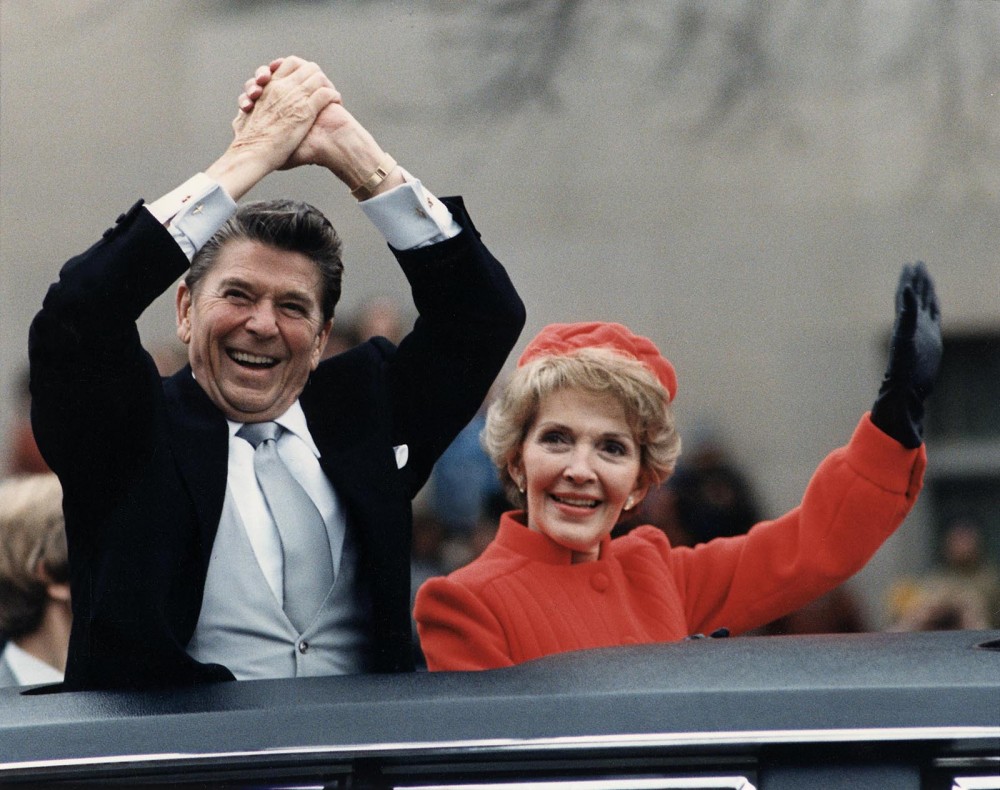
465,481
961,591
250,516
706,497
25,457
35,611
581,432
965,563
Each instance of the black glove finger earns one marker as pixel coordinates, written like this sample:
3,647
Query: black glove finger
905,281
923,285
930,298
906,316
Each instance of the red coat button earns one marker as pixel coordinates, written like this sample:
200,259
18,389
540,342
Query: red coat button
600,581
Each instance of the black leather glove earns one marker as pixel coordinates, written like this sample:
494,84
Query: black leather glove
914,358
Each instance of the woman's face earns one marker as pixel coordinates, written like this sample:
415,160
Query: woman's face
579,465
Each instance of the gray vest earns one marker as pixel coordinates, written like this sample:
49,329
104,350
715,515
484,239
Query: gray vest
243,627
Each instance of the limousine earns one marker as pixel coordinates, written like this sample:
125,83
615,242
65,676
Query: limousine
885,711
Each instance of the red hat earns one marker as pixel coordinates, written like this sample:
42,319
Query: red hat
557,339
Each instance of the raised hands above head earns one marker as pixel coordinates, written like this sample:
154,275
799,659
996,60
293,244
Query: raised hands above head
283,115
265,138
336,140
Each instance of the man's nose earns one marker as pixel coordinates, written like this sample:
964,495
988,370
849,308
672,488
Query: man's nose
263,319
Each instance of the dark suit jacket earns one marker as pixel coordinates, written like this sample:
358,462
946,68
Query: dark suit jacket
143,460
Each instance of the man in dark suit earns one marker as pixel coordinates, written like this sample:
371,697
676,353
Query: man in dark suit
180,568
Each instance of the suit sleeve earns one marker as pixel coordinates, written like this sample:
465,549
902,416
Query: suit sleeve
855,500
457,631
92,384
469,319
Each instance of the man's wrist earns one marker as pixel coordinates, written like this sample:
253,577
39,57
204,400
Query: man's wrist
239,170
369,187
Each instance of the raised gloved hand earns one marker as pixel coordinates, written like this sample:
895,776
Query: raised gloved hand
914,358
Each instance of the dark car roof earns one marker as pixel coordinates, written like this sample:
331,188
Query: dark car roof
688,695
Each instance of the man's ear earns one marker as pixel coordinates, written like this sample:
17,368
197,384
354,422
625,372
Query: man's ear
183,306
321,339
57,591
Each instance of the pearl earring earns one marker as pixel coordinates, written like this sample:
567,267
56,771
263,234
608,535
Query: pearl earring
628,503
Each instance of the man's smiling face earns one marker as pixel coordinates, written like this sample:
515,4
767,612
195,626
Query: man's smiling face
254,329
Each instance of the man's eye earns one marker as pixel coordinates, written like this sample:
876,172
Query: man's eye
294,308
234,295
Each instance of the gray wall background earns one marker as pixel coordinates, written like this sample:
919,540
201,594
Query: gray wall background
740,181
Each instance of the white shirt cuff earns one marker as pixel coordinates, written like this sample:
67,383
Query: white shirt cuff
409,216
194,212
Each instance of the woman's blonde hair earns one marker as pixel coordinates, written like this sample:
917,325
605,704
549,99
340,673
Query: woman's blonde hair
596,370
32,539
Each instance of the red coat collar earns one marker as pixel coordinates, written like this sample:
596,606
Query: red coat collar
514,535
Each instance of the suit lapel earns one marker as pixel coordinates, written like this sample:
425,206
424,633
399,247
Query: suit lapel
350,420
200,441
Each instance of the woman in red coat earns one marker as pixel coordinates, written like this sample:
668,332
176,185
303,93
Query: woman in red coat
582,431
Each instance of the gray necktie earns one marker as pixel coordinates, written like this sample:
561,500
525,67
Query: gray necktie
308,567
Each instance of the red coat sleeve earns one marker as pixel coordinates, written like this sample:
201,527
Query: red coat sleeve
855,500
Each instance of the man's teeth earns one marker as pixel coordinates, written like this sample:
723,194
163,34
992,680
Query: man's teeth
251,359
575,502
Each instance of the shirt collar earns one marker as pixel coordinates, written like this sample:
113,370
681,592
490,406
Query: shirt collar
29,670
293,421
